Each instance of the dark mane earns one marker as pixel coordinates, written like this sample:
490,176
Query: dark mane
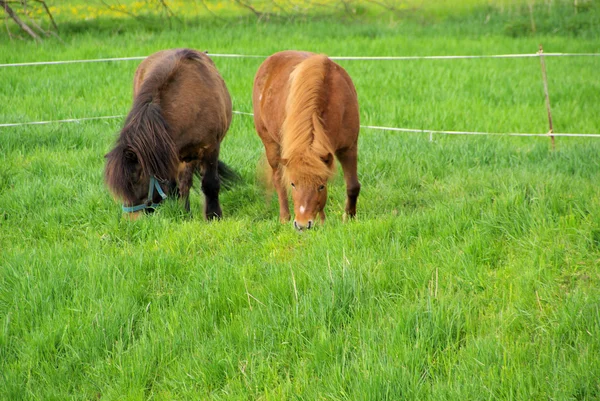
145,137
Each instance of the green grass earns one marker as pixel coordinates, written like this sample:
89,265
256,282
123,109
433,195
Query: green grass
471,272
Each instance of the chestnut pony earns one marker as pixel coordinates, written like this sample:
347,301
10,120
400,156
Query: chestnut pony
181,112
305,112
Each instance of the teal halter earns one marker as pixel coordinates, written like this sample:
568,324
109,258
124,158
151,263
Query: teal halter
154,183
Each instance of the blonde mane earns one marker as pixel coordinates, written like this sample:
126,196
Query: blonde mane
304,142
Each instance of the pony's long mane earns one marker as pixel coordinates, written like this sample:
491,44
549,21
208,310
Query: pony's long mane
145,137
304,142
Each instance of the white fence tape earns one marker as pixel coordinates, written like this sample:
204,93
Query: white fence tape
374,127
529,55
78,120
68,120
372,58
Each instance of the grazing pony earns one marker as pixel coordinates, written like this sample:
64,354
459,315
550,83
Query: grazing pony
181,113
305,112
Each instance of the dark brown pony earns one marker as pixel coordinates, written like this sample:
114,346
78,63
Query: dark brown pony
181,112
305,112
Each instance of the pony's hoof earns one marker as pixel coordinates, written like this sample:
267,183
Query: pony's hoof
214,216
348,217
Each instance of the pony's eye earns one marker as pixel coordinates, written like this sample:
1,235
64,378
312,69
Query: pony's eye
293,185
322,187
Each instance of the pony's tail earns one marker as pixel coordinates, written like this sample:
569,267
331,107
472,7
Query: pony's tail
228,176
302,129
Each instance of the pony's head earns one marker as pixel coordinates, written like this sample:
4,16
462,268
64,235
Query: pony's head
127,181
308,185
143,162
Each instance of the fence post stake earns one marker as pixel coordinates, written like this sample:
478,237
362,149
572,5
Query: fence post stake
545,79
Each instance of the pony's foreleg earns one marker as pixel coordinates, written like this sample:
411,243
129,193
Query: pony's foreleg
284,208
273,157
185,180
348,159
211,185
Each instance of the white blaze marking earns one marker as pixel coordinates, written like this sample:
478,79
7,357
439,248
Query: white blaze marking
302,209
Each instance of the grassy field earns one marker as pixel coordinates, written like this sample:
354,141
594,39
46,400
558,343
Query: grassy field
471,272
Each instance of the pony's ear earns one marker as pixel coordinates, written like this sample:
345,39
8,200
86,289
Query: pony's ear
328,160
283,162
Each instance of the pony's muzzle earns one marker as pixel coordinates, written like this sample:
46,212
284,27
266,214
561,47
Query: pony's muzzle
302,227
133,216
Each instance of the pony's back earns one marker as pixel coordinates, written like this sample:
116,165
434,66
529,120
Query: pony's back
189,88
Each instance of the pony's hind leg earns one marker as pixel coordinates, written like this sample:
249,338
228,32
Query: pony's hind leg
348,159
185,180
211,185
